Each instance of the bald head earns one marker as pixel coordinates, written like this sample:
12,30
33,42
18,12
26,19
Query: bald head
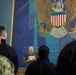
31,49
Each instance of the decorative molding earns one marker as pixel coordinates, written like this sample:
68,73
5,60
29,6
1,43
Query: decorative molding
21,71
12,21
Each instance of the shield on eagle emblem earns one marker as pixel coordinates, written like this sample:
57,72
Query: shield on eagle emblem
58,19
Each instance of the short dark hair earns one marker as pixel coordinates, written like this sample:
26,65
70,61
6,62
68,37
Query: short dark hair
2,29
43,51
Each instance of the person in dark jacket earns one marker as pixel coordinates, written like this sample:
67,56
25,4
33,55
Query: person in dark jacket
7,50
42,66
66,63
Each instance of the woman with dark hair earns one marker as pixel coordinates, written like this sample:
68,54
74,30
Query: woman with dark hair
42,66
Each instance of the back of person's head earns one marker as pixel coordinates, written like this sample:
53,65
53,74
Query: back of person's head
43,51
6,66
72,60
3,33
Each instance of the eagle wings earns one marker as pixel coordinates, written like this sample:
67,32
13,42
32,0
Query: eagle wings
44,11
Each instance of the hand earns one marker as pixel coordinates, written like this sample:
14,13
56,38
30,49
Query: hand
34,58
28,60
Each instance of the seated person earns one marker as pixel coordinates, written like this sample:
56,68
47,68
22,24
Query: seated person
30,56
